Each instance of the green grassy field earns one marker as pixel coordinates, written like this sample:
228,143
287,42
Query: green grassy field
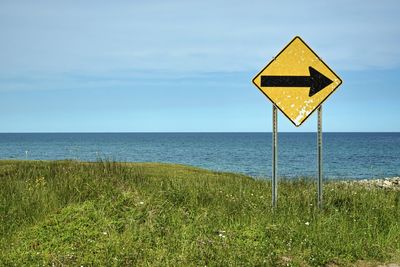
113,214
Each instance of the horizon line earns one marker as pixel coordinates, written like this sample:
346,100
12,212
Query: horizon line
194,132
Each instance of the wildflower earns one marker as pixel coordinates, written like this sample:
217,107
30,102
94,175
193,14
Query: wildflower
221,233
307,223
141,202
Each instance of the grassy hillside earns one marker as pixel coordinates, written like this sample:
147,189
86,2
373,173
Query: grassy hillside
114,214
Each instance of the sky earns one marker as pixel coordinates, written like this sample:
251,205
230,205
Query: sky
187,66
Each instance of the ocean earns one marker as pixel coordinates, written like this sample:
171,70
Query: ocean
345,155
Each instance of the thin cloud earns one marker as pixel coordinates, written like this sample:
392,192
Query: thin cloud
186,36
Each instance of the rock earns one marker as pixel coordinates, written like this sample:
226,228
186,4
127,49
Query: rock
385,183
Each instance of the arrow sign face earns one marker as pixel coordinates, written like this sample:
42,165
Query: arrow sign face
297,81
316,81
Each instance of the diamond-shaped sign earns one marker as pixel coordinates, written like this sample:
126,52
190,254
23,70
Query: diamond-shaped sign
297,81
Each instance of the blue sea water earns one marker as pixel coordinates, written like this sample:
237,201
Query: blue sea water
345,155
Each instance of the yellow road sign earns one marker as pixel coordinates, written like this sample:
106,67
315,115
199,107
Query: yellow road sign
297,81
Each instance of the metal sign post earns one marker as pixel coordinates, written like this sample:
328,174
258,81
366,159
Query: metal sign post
319,157
274,156
297,82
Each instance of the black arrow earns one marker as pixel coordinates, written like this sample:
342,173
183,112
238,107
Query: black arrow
316,81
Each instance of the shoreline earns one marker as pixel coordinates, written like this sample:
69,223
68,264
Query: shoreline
384,183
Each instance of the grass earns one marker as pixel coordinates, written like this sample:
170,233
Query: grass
66,213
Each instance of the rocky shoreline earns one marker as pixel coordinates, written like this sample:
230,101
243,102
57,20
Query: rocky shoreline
385,183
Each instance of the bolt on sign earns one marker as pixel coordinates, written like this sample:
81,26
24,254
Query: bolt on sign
297,81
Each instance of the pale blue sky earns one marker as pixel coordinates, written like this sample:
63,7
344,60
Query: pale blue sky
145,66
